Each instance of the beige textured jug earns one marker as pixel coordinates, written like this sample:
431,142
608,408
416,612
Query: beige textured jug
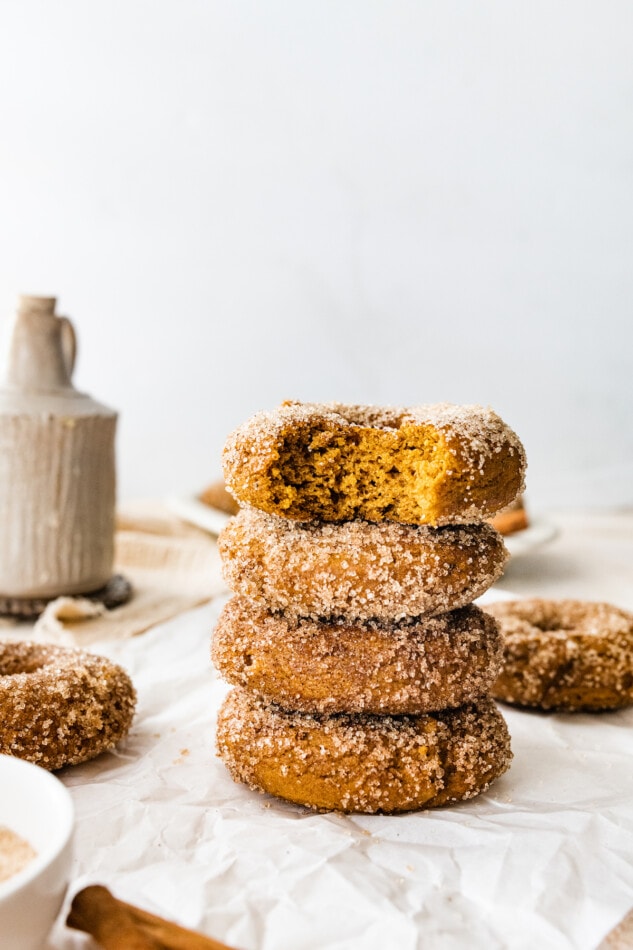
57,464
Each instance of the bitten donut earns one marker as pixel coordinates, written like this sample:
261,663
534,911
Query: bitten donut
435,464
61,706
565,654
358,569
414,666
361,763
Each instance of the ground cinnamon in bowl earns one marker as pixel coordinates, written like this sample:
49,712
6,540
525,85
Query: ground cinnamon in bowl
15,853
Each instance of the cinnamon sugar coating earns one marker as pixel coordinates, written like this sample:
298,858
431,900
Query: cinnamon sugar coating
414,666
565,654
435,464
60,706
15,853
362,763
358,569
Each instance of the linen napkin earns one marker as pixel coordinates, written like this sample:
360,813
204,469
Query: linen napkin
172,567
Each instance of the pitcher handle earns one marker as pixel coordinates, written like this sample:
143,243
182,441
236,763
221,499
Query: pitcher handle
69,344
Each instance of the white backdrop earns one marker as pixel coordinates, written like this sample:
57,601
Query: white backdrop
397,202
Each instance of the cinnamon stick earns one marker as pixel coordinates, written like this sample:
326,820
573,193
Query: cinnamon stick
180,938
120,926
95,911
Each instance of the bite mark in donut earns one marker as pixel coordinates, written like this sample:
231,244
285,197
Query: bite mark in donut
435,464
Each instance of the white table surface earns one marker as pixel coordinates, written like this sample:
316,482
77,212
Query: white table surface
544,859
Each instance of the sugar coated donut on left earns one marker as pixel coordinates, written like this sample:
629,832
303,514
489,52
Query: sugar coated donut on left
61,706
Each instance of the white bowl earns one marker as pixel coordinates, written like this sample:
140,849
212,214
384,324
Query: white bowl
35,805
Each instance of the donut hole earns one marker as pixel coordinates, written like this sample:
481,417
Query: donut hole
551,625
14,665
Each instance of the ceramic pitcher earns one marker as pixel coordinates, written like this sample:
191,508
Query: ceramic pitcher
57,464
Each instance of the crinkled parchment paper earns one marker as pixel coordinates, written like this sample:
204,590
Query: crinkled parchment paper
543,860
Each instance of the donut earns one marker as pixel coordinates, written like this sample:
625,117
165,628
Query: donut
435,464
565,654
414,666
513,519
61,706
215,495
362,763
358,569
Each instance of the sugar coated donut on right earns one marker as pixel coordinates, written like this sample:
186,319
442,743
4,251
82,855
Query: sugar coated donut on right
569,655
358,569
434,464
361,763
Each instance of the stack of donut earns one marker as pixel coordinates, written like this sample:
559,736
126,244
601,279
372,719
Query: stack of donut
361,668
